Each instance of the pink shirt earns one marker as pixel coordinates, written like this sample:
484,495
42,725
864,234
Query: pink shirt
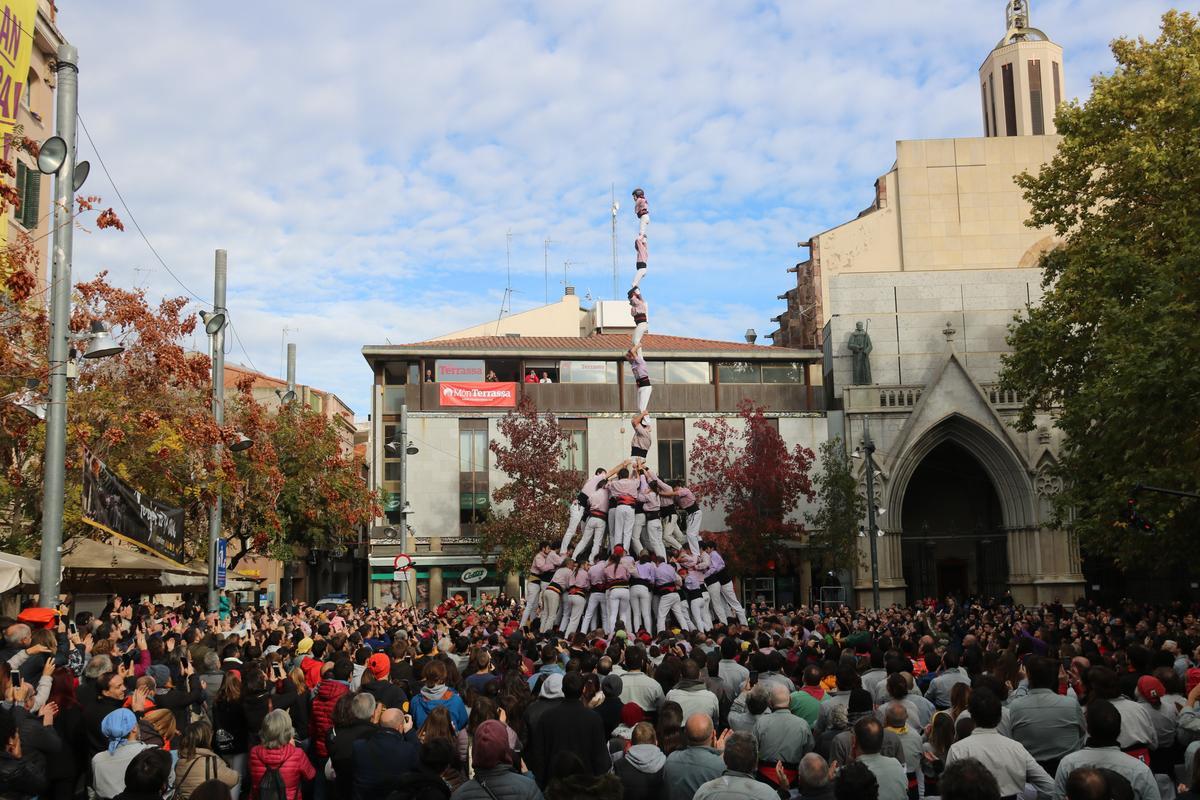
592,483
641,436
684,497
562,576
623,486
545,563
641,207
598,498
638,366
637,304
580,580
647,571
616,572
596,574
664,573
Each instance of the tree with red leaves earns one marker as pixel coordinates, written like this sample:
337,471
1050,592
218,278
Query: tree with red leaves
532,506
749,471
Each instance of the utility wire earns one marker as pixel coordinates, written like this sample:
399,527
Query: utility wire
146,239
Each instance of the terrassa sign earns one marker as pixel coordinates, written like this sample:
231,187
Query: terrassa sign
480,395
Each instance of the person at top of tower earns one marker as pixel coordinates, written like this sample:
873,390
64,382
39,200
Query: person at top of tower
641,374
642,209
638,308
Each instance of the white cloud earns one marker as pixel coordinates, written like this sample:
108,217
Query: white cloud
362,163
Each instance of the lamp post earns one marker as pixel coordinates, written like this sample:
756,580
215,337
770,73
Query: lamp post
868,449
400,446
214,325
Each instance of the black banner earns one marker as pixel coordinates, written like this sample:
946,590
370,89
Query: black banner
113,506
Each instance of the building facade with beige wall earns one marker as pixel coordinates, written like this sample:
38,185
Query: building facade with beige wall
35,117
935,270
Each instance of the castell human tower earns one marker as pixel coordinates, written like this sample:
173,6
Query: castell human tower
910,302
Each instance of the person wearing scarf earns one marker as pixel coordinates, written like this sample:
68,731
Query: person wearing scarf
120,731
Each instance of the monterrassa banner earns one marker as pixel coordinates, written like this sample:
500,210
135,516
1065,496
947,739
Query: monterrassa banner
485,395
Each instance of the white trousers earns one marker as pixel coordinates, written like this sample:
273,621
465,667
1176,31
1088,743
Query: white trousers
533,590
639,527
719,608
669,604
699,610
672,536
593,531
643,394
639,605
550,603
731,602
618,605
639,331
573,613
572,524
622,532
596,604
654,535
693,531
639,273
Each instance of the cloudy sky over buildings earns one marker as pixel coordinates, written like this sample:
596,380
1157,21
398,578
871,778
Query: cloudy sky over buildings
363,163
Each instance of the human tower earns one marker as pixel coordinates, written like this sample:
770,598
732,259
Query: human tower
626,578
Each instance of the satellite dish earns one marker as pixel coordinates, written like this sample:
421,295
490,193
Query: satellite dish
52,154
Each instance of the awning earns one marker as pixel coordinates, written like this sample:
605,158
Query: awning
233,580
92,556
18,571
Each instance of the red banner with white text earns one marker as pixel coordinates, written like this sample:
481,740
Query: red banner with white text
479,395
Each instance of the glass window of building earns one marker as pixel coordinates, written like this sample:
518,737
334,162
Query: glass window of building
656,370
1057,84
587,371
575,457
739,372
473,475
688,372
1035,97
672,463
786,372
1010,100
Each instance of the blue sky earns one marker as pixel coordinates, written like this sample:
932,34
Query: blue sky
362,162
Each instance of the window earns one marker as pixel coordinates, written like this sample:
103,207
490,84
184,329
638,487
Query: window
576,457
587,371
688,372
1010,100
472,474
1057,84
992,97
1037,114
655,370
29,188
739,372
983,96
30,80
792,372
399,373
671,457
391,470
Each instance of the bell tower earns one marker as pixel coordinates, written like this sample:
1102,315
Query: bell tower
1021,81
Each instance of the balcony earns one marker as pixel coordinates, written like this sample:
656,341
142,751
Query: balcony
668,398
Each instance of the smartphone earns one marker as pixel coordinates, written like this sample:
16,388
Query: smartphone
127,659
72,627
753,677
183,662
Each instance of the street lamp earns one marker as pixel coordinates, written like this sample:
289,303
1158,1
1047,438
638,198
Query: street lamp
867,451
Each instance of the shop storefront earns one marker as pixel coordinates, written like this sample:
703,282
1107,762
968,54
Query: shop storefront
431,580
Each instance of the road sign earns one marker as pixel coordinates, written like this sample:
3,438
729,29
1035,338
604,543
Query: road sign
221,553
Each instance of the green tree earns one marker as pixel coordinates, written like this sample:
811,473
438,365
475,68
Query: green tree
1111,350
833,527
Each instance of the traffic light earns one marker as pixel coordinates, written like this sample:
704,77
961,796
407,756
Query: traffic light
1136,520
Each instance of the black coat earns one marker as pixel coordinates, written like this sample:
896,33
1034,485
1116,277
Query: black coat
381,760
610,712
21,778
341,753
570,727
388,694
638,785
93,714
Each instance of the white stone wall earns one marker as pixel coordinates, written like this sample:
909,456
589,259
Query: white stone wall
908,311
433,482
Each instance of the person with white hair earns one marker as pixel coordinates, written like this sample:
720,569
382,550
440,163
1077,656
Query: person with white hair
279,756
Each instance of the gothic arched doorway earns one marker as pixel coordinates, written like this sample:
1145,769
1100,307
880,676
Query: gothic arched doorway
953,539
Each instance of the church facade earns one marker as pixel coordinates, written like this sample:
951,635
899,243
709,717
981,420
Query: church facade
910,303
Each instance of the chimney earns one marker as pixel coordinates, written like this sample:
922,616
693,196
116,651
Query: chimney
751,336
570,290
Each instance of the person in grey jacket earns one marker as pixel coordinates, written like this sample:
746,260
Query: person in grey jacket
494,777
700,761
737,782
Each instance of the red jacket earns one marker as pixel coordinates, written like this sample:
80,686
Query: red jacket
320,721
291,762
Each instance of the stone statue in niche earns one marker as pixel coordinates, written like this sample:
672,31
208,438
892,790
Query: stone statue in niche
860,350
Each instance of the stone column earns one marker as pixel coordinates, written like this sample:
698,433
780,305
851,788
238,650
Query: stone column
436,592
512,585
1061,575
804,589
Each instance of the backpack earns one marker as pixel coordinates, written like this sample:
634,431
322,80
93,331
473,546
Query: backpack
272,786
